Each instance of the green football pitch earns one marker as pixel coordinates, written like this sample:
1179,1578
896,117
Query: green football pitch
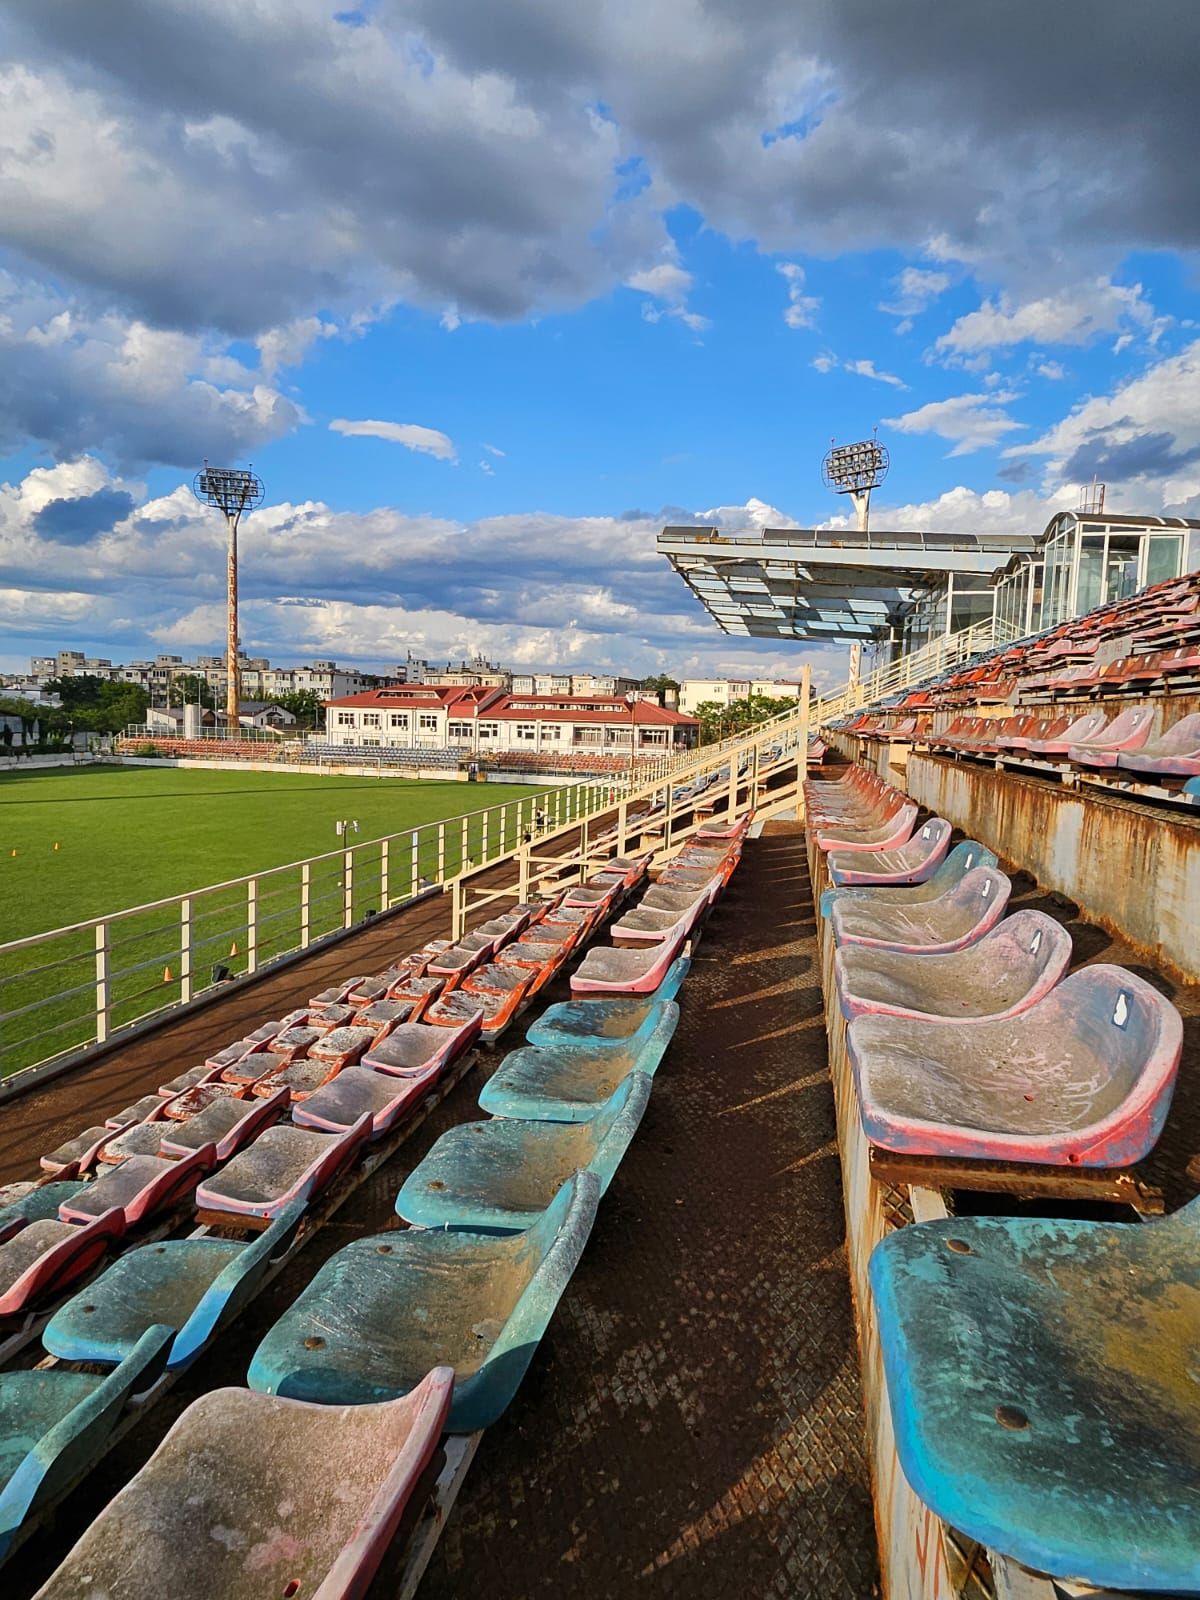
128,835
92,841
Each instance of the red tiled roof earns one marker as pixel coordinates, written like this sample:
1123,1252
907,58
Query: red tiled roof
421,696
613,710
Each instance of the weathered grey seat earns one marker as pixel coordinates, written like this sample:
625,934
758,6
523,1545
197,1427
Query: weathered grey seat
963,914
1006,971
970,853
554,1083
235,1504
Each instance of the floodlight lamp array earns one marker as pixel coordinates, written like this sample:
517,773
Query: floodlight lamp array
230,488
853,468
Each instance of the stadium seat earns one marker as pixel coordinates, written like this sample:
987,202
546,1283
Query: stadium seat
357,1092
555,1084
964,913
1175,753
227,1123
36,1201
628,970
586,1023
912,862
383,1309
234,1502
55,1426
1057,744
1039,1375
1084,1077
195,1286
282,1165
498,1176
45,1257
140,1187
887,834
964,856
1006,971
415,1047
1128,731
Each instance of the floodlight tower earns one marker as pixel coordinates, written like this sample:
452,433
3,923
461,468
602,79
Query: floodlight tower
856,469
232,491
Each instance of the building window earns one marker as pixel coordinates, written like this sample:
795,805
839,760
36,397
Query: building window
527,730
489,730
345,719
460,732
399,719
427,722
371,741
552,731
371,719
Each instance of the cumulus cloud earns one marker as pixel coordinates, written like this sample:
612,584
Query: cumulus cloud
913,291
827,362
427,441
1073,316
667,287
801,308
971,421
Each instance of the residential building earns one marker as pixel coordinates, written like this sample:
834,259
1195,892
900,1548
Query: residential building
695,692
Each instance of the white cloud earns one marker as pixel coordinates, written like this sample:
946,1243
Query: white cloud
428,441
1072,316
825,362
913,290
1054,370
868,369
668,286
494,450
971,421
801,308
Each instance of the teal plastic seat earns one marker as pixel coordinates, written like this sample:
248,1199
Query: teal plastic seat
55,1426
966,855
584,1024
194,1286
40,1203
500,1175
384,1310
1042,1375
547,1083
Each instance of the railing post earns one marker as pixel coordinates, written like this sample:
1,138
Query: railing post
415,884
523,874
441,852
101,982
622,826
348,888
456,909
185,950
733,785
252,925
503,829
305,903
483,844
384,875
805,710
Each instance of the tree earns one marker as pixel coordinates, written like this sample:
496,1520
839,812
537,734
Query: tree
94,705
721,722
661,685
189,689
305,705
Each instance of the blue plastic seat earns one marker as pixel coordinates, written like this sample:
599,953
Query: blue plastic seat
547,1083
194,1286
967,854
501,1174
585,1024
384,1310
55,1426
1042,1379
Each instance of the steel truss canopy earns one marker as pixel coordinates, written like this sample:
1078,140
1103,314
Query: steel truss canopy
825,584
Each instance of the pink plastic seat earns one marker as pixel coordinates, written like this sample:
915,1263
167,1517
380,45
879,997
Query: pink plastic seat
1058,744
285,1163
1175,753
968,910
885,835
625,971
1128,731
912,862
45,1257
414,1047
1006,971
1084,1077
140,1187
357,1092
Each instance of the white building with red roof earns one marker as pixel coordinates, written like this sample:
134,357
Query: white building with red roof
483,721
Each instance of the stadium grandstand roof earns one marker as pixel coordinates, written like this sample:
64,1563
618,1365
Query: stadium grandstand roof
824,584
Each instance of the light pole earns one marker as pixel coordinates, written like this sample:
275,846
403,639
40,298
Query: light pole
232,491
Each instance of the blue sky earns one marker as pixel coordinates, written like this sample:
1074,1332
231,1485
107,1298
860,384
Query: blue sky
487,294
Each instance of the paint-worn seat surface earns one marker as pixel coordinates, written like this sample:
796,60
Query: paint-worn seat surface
418,1046
912,862
233,1505
1176,754
139,1187
1128,731
884,835
47,1256
628,969
502,1174
1040,1373
383,1310
358,1091
1006,971
969,853
552,1084
966,911
227,1123
55,1425
39,1203
283,1164
195,1286
1083,1077
585,1024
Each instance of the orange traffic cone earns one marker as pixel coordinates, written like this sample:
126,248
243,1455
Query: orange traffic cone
233,949
14,852
167,978
56,844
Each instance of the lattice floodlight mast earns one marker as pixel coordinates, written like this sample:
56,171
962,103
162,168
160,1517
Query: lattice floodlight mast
856,469
232,491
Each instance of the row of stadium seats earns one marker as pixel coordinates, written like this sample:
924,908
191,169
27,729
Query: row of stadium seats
269,1124
1035,1365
